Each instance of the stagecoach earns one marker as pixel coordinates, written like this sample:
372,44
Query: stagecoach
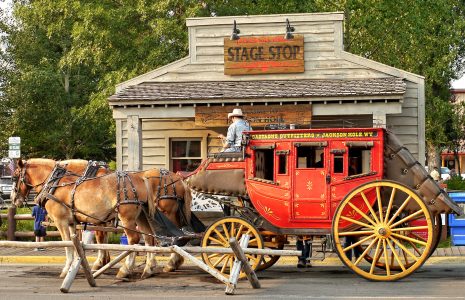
360,185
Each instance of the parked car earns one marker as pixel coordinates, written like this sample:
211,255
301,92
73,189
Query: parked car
6,185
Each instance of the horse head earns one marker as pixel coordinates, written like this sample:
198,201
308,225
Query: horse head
28,175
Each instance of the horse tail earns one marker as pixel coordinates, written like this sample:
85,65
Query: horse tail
150,200
187,202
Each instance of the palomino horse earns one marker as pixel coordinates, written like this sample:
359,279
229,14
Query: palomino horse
166,188
94,201
173,198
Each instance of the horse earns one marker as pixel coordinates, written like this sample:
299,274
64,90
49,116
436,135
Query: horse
96,200
173,198
166,187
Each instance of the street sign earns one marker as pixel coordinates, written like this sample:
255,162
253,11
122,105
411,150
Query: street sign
14,147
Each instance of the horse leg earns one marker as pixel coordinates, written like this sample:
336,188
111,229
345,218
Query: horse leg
128,219
175,262
62,227
151,261
103,256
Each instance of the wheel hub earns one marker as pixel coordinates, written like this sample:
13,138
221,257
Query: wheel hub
382,231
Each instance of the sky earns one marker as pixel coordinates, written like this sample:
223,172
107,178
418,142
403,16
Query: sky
457,84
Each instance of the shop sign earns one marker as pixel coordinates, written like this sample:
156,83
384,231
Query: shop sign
264,55
258,115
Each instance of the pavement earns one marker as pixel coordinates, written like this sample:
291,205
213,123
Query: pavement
57,256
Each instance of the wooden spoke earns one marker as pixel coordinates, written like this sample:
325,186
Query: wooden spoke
239,231
369,206
405,249
362,214
409,217
225,242
219,260
380,205
403,237
358,243
218,235
233,230
417,236
226,231
217,241
223,268
409,228
214,255
391,201
394,253
375,258
357,222
386,259
401,208
361,232
364,253
415,248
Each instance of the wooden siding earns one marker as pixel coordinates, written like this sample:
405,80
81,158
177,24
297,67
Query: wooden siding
156,135
405,125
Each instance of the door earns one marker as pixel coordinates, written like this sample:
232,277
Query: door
309,177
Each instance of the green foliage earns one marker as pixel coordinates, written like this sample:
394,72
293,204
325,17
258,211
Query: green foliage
456,183
21,225
64,58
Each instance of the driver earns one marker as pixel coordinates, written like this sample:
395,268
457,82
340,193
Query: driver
232,141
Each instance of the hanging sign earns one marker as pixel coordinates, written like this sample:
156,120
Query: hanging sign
258,115
14,147
264,55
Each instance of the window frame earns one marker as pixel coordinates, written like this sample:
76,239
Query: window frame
171,139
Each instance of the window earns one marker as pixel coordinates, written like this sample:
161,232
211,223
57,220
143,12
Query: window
185,154
338,163
310,157
359,160
282,162
264,164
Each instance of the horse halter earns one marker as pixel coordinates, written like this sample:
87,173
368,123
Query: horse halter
22,180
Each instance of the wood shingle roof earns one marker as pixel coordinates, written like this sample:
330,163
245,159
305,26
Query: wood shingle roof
177,92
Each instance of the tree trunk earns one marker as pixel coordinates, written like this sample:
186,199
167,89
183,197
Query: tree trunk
433,157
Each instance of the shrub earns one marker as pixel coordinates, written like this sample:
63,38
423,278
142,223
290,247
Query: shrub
456,182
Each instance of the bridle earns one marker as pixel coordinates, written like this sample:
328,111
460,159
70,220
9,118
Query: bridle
22,180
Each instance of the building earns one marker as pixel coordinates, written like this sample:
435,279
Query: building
448,156
170,117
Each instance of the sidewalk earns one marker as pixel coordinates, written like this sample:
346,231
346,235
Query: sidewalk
57,255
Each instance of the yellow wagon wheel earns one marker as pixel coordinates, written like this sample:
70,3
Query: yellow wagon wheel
275,242
374,216
437,228
218,235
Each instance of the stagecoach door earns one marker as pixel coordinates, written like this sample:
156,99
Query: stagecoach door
310,187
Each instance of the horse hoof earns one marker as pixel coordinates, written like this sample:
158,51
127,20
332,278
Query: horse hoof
63,275
121,275
146,275
168,269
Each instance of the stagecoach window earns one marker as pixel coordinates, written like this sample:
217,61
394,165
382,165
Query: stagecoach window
359,160
264,164
338,163
185,154
310,157
282,161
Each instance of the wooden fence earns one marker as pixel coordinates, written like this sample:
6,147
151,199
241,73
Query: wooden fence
11,218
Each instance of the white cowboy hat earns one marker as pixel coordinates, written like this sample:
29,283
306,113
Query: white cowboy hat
237,112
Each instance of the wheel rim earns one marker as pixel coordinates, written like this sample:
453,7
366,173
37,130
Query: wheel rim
377,215
218,234
269,260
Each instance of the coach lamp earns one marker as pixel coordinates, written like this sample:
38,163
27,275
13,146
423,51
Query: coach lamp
289,30
235,32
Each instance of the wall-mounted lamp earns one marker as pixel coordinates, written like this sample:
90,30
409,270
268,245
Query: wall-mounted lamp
289,30
235,32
